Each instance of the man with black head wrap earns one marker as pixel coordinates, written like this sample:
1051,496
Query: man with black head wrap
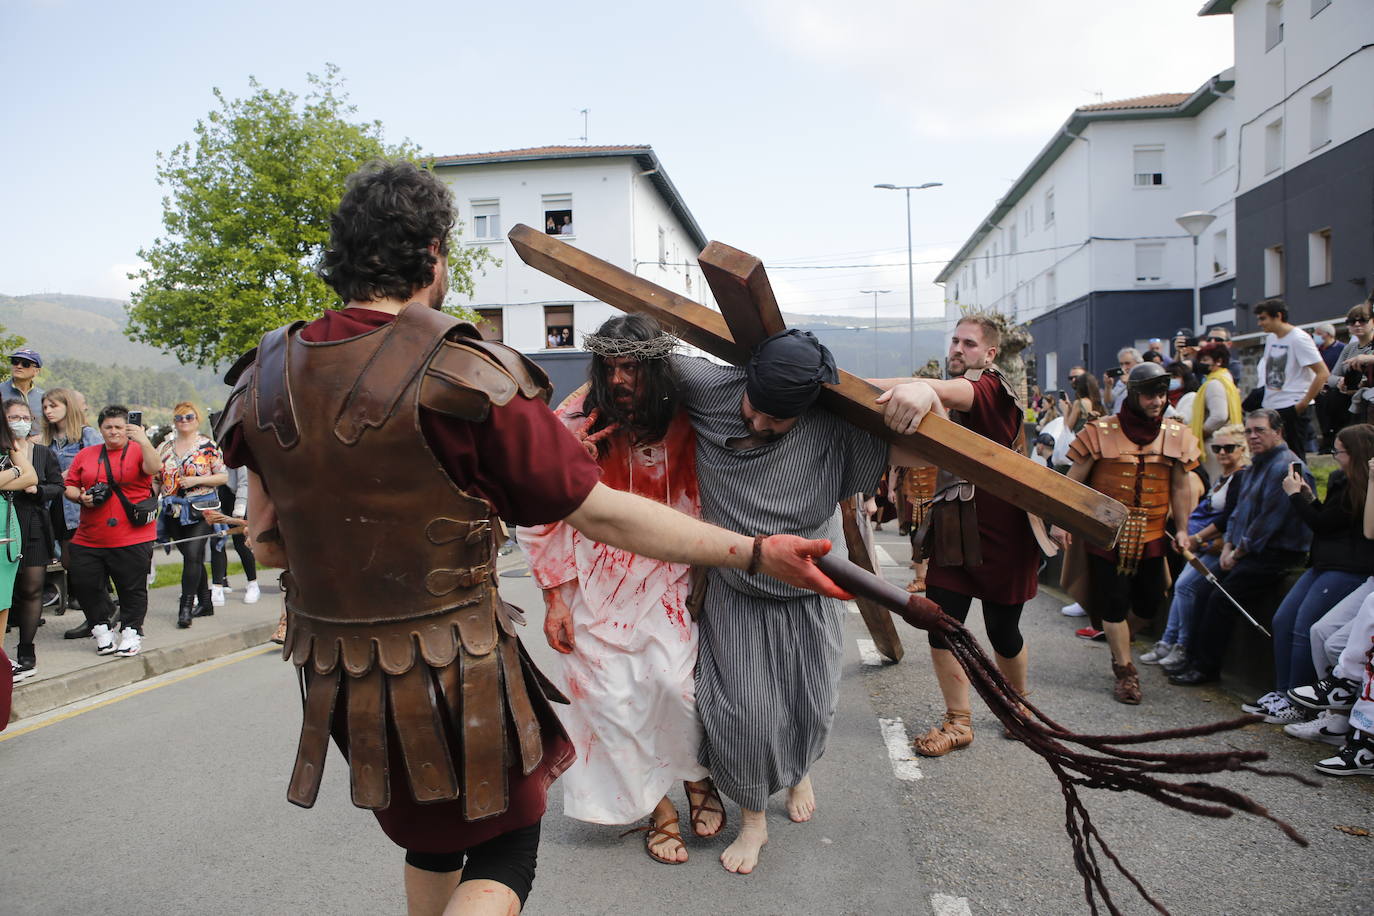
769,654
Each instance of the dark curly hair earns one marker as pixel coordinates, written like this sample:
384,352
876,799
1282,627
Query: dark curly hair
379,237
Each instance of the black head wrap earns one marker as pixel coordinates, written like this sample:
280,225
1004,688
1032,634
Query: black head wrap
786,372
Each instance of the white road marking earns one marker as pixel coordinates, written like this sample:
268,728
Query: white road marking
884,558
869,652
904,766
945,905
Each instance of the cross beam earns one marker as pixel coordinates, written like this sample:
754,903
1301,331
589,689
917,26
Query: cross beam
999,470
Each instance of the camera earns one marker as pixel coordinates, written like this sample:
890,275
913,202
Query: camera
1115,373
99,492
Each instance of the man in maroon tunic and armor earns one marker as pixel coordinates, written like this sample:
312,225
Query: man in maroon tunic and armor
383,441
980,546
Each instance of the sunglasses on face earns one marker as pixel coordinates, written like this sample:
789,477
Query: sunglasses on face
23,363
184,417
1358,321
1218,340
1224,449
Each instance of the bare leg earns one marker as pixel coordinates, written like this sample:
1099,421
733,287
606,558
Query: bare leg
742,855
1118,640
801,800
953,680
1015,670
427,892
483,898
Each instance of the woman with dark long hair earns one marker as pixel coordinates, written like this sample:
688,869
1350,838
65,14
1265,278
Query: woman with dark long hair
36,537
1087,403
1342,558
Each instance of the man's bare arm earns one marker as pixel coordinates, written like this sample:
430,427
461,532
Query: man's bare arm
652,529
262,522
1319,376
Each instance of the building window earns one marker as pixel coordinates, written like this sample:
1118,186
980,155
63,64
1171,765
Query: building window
1051,290
1319,257
1321,118
558,214
1149,262
1011,239
1318,6
1049,208
1273,271
994,257
486,219
662,246
1149,166
1219,153
491,323
1273,146
1221,254
1030,219
1273,24
558,326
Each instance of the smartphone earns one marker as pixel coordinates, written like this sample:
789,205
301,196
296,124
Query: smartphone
1295,469
1114,373
136,418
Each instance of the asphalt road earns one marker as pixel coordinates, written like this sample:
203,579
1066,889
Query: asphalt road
170,798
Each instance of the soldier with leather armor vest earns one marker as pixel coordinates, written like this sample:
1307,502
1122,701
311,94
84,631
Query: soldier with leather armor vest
980,546
385,442
1143,460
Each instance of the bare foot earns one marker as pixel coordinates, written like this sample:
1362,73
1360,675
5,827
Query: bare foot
742,855
706,809
667,847
801,801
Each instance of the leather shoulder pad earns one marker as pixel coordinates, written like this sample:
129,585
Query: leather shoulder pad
532,380
240,365
243,373
1175,444
462,381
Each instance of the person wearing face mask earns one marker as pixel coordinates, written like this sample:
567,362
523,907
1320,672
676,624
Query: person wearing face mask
36,537
1330,348
16,474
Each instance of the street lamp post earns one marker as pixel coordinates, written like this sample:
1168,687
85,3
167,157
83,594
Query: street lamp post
1195,222
876,293
910,283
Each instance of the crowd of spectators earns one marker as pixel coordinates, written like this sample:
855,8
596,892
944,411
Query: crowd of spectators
90,504
1292,552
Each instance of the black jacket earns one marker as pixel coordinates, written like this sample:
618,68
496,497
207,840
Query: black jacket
1338,540
33,509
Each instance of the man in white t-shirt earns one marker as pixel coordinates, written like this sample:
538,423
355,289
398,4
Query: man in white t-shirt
1292,371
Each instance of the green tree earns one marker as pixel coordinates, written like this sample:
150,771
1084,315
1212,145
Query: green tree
8,344
246,218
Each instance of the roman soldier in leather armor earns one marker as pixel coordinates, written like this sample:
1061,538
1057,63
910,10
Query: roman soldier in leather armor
1143,460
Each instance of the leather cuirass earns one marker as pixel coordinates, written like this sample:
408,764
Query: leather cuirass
393,615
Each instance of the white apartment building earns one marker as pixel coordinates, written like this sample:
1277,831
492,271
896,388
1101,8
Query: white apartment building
615,202
1279,150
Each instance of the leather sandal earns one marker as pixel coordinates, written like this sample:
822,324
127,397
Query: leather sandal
954,732
701,802
655,832
1127,687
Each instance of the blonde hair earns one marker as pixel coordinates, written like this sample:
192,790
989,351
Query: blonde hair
72,424
1236,432
186,406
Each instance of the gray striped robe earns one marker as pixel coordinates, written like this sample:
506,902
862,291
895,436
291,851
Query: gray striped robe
768,667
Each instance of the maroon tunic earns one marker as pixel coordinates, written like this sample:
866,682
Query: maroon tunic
533,471
1011,556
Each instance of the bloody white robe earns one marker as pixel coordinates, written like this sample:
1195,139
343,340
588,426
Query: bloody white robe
630,678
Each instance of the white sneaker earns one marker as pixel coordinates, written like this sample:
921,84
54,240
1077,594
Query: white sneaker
152,576
130,643
1328,728
104,641
252,593
1157,654
217,596
1175,659
1073,610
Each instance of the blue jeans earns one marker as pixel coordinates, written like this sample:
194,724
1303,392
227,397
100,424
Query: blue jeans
1315,593
1188,588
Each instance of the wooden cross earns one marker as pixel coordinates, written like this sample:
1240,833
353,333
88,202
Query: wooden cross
749,313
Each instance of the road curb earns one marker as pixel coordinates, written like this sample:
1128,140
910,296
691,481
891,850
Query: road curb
111,672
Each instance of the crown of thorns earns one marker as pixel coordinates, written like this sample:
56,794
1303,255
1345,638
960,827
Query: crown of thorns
658,347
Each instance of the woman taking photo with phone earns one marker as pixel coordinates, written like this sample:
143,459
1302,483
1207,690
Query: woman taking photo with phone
192,471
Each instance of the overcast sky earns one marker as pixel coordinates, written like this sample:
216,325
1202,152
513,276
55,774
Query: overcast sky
774,117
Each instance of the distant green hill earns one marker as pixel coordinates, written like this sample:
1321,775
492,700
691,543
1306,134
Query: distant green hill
81,339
